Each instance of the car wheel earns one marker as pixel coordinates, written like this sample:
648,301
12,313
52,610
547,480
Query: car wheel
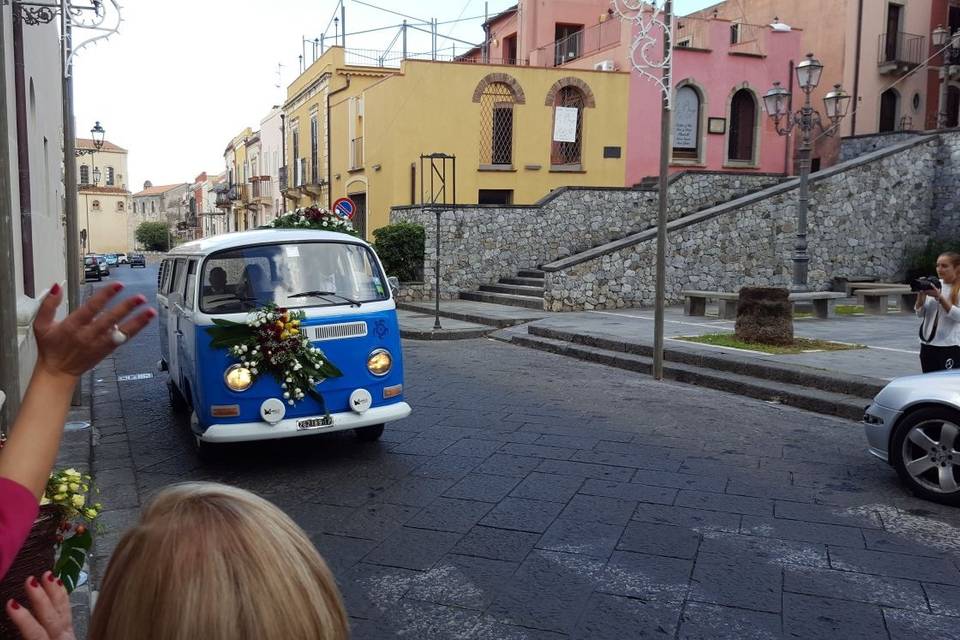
178,403
369,434
924,453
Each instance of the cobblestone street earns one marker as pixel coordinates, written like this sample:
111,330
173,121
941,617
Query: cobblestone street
534,496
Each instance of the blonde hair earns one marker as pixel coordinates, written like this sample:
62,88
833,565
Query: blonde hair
954,259
213,562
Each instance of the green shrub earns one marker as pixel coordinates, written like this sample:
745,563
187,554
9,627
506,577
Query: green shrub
922,261
400,247
154,236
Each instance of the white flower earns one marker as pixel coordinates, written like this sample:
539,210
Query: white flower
286,394
253,371
289,379
298,391
244,347
290,402
284,385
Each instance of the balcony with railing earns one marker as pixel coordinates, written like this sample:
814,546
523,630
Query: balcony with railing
261,189
581,44
356,153
899,52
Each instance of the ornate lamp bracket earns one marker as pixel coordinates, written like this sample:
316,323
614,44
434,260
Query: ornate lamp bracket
646,57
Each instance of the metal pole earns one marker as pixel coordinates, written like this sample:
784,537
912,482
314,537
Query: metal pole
663,200
801,259
343,24
70,175
404,39
9,347
433,39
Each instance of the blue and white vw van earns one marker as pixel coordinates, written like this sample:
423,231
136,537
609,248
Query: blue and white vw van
339,284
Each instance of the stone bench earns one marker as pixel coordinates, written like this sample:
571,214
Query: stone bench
876,301
854,287
824,302
695,302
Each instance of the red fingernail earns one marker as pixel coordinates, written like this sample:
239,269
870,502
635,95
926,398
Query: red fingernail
51,577
59,582
34,583
152,313
141,299
14,604
117,286
55,289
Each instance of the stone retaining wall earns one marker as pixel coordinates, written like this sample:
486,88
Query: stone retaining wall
481,244
856,146
863,215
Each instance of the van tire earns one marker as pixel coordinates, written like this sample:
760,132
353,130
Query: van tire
369,434
178,403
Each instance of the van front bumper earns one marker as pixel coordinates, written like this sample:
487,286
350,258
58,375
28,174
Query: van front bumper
287,428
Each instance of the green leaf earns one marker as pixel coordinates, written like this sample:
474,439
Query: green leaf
73,554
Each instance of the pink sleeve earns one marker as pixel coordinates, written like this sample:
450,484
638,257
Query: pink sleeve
18,510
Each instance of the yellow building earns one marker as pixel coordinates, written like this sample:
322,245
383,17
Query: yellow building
517,132
236,198
306,173
103,202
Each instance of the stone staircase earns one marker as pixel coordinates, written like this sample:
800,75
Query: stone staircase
523,290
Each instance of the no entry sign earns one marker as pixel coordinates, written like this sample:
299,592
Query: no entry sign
345,208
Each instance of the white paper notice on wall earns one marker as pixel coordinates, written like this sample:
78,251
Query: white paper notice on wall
565,124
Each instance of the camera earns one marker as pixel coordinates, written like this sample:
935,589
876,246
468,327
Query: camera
928,283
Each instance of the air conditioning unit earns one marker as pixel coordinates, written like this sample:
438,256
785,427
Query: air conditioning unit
605,65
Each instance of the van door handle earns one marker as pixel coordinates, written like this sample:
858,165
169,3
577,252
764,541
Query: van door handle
179,333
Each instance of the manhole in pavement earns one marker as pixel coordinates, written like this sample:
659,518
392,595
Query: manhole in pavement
76,425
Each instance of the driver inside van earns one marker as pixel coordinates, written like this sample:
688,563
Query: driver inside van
218,282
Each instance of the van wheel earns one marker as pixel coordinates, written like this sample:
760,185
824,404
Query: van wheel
369,434
178,403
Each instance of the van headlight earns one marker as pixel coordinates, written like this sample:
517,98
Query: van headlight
379,362
238,377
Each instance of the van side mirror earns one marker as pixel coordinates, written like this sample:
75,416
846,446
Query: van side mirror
394,283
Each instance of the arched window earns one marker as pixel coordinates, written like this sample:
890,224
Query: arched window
496,124
110,176
743,122
686,124
889,108
953,106
567,143
84,174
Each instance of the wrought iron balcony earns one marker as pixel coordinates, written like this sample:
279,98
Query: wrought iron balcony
899,52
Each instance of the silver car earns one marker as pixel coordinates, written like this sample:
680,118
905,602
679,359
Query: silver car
913,424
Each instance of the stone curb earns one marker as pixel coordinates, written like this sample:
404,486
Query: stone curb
445,334
497,323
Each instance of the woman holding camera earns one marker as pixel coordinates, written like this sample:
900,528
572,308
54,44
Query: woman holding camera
937,306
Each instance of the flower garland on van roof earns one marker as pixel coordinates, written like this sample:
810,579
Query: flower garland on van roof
313,218
270,341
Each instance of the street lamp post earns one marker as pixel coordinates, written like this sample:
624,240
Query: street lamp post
949,45
806,119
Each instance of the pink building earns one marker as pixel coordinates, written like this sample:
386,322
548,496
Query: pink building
721,71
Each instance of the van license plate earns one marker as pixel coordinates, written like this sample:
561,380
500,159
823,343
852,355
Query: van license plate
314,423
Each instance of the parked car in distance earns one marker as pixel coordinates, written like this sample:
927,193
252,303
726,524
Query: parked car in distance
122,258
137,260
913,424
91,270
111,259
104,267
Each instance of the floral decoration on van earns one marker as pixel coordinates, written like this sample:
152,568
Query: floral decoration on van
270,341
313,218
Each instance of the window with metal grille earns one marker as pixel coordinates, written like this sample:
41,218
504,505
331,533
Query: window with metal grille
496,124
567,140
84,174
110,176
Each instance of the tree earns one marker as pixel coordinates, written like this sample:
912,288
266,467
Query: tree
154,236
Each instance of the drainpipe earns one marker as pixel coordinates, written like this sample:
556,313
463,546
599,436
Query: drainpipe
23,160
856,70
787,148
329,135
69,174
283,153
9,346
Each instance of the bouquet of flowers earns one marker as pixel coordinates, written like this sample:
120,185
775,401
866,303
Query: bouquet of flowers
313,218
270,341
71,491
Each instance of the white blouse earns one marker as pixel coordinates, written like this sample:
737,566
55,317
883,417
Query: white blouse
948,325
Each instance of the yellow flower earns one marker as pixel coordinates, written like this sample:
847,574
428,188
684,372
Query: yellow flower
74,486
60,496
294,332
91,513
77,501
62,488
71,472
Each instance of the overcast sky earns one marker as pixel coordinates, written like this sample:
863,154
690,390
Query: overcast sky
184,76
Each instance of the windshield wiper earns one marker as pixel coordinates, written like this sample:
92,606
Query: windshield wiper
327,294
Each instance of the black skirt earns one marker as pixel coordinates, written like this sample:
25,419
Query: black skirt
939,358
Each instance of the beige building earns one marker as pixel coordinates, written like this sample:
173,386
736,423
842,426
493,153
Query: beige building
169,203
103,200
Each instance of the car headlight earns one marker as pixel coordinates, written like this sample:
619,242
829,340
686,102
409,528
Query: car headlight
379,362
238,377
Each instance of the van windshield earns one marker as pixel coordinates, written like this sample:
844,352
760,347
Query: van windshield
307,274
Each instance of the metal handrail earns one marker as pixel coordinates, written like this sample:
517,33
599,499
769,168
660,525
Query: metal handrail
899,47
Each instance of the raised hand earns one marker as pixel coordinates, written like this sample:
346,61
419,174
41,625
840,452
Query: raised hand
48,617
86,336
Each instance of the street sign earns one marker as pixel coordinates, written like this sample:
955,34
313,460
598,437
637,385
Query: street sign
345,208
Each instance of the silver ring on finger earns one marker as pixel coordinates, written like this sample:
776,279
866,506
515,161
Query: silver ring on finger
117,336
